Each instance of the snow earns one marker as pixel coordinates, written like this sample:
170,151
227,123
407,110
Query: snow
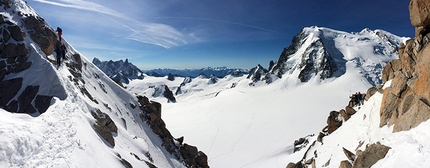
234,124
63,136
245,126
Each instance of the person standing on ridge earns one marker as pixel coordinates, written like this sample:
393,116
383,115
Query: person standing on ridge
360,99
58,54
60,32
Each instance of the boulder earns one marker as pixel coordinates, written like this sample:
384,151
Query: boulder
372,154
16,33
6,36
105,133
370,92
20,67
349,110
333,121
104,126
8,89
345,164
25,99
344,115
12,50
78,61
42,103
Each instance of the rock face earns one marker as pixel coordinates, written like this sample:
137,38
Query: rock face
407,102
151,113
14,60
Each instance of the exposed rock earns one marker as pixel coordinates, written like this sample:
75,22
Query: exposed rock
170,77
8,90
151,113
349,110
333,121
295,165
25,99
16,33
256,73
349,154
370,155
345,164
45,37
12,50
2,74
42,103
407,102
419,12
78,60
300,144
169,94
20,67
370,92
104,126
6,36
190,154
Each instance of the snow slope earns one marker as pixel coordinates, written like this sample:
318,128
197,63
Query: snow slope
64,136
408,148
241,126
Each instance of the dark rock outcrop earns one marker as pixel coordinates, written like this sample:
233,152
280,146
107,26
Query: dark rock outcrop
40,33
151,114
256,74
104,126
8,90
333,121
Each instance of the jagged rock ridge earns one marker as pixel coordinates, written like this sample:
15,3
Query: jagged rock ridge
119,71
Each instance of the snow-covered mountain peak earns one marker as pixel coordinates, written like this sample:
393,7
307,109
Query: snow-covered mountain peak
322,53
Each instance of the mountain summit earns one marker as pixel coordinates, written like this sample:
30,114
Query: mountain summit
321,53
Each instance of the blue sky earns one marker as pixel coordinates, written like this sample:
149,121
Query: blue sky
200,33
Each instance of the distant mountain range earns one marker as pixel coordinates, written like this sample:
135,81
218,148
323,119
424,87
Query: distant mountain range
119,71
218,72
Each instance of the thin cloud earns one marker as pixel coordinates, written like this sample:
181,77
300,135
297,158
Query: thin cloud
84,5
150,33
221,21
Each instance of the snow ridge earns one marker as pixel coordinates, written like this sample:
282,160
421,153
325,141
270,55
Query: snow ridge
64,135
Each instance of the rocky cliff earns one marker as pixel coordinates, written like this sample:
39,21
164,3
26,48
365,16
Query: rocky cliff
407,102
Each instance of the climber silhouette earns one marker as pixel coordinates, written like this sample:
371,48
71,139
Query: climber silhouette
60,32
58,53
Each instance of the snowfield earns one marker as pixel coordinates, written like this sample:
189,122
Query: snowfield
235,124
